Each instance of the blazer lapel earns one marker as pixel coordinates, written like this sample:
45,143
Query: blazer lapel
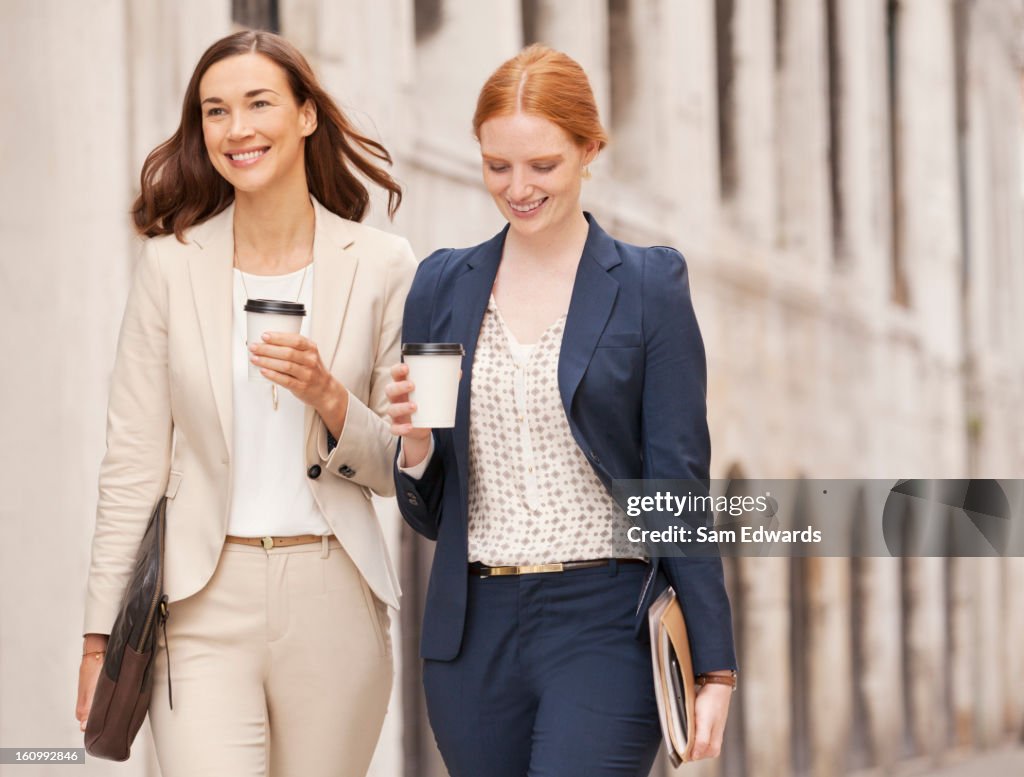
470,295
334,271
210,273
593,296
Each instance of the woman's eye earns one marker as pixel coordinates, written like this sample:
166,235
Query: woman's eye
498,168
215,112
543,168
260,104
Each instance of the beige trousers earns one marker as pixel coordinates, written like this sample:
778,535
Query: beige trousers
280,667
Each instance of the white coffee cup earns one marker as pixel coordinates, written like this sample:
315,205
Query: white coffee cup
270,315
434,369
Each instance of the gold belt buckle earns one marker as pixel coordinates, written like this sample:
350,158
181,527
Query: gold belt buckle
525,570
532,570
268,543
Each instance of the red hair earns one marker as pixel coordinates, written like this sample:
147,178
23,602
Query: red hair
547,83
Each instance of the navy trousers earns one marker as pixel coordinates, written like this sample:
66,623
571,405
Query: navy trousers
550,681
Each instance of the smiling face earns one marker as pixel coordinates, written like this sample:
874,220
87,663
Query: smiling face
533,169
253,128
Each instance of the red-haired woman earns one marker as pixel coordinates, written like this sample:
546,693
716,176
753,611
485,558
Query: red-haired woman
276,567
583,364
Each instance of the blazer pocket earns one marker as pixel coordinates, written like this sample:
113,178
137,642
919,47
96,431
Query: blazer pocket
173,482
621,340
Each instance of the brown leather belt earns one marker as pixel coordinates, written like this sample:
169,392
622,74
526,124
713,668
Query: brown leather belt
275,542
482,570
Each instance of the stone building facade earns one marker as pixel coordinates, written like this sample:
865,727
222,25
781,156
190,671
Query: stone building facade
845,178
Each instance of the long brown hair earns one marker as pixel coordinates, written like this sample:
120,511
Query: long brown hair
180,186
542,81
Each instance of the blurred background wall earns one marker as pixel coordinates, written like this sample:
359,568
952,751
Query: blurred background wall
845,178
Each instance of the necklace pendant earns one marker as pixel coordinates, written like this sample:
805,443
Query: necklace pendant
273,393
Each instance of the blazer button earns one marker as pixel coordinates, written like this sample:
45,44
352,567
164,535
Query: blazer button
314,471
411,497
346,470
594,457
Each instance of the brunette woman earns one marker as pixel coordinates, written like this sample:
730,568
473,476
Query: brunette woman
583,364
276,567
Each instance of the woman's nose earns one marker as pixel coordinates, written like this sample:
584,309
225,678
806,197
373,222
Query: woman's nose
520,187
239,128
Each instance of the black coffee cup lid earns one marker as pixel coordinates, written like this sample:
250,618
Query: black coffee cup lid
432,349
276,306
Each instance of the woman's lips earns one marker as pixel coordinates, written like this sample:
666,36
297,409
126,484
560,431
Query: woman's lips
246,157
526,209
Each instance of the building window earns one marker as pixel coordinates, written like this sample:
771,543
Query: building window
780,33
530,12
835,124
900,289
427,15
724,15
961,20
256,14
621,62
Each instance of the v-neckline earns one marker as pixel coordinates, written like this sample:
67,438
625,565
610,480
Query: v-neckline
512,336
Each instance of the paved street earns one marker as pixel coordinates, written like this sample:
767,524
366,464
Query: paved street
1004,763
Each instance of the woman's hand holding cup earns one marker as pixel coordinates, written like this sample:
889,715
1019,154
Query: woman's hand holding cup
415,441
436,368
293,362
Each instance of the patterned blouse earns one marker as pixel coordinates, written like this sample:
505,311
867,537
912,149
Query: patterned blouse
533,496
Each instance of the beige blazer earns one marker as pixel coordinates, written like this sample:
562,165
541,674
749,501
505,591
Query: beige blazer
170,413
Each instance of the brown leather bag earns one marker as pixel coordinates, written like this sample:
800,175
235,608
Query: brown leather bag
125,684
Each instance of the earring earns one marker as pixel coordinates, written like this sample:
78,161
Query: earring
585,174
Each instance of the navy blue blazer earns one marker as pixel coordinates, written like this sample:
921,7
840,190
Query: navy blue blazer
632,377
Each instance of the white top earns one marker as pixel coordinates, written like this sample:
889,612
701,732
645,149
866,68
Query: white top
533,496
270,494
